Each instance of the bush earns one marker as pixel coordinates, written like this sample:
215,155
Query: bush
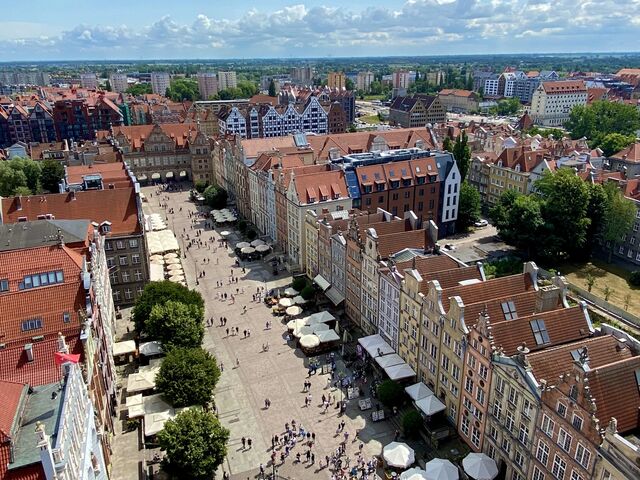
252,235
242,226
390,393
411,423
215,196
201,186
299,283
634,278
307,292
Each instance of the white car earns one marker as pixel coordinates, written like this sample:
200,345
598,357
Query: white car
481,223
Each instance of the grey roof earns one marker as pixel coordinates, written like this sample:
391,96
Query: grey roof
41,233
40,407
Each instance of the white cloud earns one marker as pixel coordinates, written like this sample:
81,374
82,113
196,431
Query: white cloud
417,27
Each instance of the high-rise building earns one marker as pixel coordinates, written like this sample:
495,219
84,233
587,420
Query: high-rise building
337,80
402,79
227,80
118,82
302,75
207,85
160,81
89,81
364,80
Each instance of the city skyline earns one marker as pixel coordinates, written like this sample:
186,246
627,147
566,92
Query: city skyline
315,29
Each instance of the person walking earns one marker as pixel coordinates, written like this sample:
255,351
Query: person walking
244,443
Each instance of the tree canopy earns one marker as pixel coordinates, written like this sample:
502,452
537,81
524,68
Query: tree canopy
215,196
188,376
176,324
619,216
195,444
52,175
245,89
157,293
20,176
508,106
599,119
182,89
615,142
272,88
468,207
138,89
462,154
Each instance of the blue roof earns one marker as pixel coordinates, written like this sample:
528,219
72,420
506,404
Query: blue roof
352,183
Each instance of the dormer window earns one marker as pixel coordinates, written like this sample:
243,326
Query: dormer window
105,227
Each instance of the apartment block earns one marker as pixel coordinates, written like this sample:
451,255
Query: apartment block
119,82
552,102
160,82
227,80
364,81
89,81
207,84
416,111
337,81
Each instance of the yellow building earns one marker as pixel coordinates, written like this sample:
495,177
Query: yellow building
337,80
511,171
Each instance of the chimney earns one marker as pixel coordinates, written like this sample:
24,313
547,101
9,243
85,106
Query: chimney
523,351
622,344
28,348
547,298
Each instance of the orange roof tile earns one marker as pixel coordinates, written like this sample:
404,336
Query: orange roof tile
490,289
112,173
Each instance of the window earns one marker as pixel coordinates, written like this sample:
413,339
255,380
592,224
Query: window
519,458
475,436
513,396
523,434
577,422
516,476
561,409
465,426
564,439
500,385
120,245
41,280
575,475
4,285
583,456
497,409
123,260
126,276
33,324
509,310
111,262
108,246
526,408
493,432
539,331
480,396
484,371
468,385
116,296
128,294
509,422
559,467
537,474
542,453
135,258
66,317
133,243
506,445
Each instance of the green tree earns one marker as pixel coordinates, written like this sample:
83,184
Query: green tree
272,88
107,86
509,106
308,292
52,175
390,393
215,196
462,154
468,207
182,89
615,142
524,223
200,185
247,88
597,120
20,173
447,146
138,89
607,292
299,283
499,213
591,281
596,210
195,445
176,324
157,293
251,234
188,376
411,423
349,85
619,217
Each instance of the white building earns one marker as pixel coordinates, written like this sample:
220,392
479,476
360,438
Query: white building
89,81
390,283
207,84
227,80
491,86
552,101
160,81
402,79
119,82
364,80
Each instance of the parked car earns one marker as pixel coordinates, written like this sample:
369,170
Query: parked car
481,223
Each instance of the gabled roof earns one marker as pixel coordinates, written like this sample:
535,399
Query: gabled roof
119,206
10,395
457,93
393,243
632,153
564,86
311,187
44,232
112,173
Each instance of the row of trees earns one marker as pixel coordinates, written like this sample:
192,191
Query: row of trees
608,125
245,89
23,176
194,441
564,219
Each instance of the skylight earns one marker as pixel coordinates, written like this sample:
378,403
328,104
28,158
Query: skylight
509,310
540,332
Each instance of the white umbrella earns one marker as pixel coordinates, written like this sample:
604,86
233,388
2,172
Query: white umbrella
170,255
285,302
291,292
156,257
302,331
430,405
174,266
415,474
263,248
439,469
173,261
247,250
225,233
257,242
157,262
243,245
294,311
480,466
309,341
231,218
299,300
322,316
176,278
398,454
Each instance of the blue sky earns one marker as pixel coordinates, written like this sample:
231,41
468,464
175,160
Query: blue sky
143,29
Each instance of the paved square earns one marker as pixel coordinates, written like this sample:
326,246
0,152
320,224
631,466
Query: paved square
277,374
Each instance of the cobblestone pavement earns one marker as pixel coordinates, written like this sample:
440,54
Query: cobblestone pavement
277,374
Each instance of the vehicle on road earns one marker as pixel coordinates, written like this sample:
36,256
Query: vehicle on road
481,223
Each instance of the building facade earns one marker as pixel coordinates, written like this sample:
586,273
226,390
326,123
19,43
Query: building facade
552,102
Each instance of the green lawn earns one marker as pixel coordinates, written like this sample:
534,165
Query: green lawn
371,98
606,275
370,119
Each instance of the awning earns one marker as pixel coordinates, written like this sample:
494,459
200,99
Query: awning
375,345
398,372
418,390
183,173
145,379
124,348
389,360
150,349
334,295
430,405
155,176
156,272
143,178
169,175
321,282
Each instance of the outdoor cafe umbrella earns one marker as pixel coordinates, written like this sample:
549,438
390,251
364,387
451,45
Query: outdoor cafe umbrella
247,250
173,261
225,233
257,242
263,248
170,255
174,266
415,474
291,292
309,341
156,257
299,300
439,469
480,466
177,278
302,331
285,302
231,218
294,311
242,245
398,454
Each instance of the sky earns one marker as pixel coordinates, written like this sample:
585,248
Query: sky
219,29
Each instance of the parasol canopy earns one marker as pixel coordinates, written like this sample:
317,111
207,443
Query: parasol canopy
242,245
480,466
170,255
439,469
286,302
294,311
257,242
299,300
225,233
174,266
291,292
398,454
172,261
248,250
415,474
263,248
309,341
176,278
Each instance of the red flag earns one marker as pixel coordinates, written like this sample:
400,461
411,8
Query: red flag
66,357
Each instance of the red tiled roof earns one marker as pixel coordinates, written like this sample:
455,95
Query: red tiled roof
393,243
494,288
10,394
119,206
451,277
564,86
307,183
457,93
112,173
632,153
